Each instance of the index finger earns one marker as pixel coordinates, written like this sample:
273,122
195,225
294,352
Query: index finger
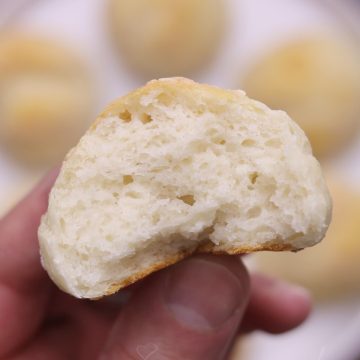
24,287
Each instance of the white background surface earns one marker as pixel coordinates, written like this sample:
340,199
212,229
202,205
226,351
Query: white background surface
333,330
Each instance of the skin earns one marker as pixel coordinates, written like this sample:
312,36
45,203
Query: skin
191,310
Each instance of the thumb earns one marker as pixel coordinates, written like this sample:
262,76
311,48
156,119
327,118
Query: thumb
191,310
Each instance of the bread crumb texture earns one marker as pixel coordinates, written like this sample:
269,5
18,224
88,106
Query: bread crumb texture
173,168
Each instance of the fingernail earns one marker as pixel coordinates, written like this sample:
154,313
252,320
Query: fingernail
286,290
202,294
292,292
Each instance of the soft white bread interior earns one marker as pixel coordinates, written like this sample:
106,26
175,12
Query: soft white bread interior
173,168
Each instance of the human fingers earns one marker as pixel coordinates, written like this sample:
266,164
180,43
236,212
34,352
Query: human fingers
275,306
191,310
23,283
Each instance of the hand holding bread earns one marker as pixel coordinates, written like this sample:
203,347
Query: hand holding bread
205,298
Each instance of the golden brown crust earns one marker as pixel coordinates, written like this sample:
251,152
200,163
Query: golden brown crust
142,274
169,86
211,248
205,248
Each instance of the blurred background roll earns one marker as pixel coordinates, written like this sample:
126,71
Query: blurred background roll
331,269
46,98
317,81
160,38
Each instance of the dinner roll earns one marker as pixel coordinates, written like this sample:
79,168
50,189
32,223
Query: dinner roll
46,98
174,168
160,38
317,81
332,269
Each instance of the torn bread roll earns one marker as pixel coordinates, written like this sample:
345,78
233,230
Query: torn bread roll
176,168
